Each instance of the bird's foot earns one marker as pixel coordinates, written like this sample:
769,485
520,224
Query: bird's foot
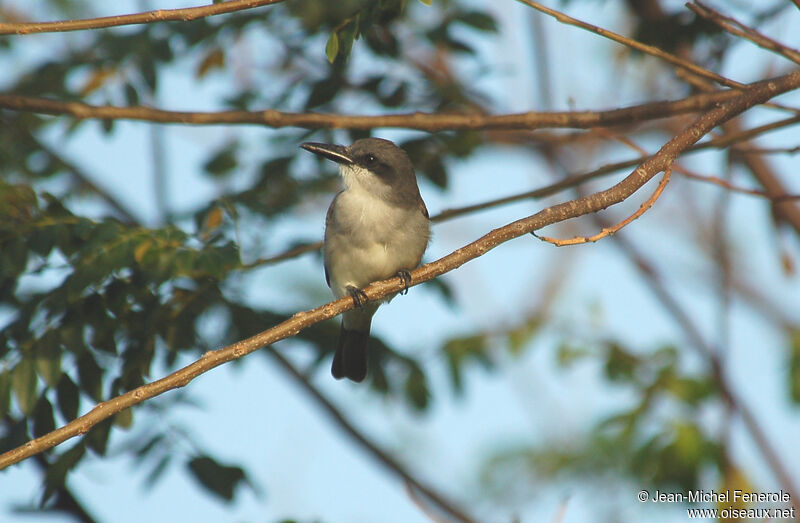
406,277
359,296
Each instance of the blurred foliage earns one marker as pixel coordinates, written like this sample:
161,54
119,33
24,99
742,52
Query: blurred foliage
794,366
659,441
90,305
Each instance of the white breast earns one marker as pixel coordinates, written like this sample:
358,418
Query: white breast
368,239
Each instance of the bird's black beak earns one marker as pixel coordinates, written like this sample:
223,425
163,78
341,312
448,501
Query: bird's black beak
337,153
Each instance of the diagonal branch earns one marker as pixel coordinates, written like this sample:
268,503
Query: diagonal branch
684,65
431,122
185,14
764,174
737,28
633,44
611,230
756,94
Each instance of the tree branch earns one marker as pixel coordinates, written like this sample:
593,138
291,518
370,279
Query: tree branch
608,231
572,180
761,170
633,44
737,28
389,462
431,122
755,94
185,14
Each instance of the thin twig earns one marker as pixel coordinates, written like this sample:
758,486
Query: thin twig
737,28
388,461
767,150
608,231
421,505
431,122
762,303
760,169
763,172
756,94
648,49
725,184
695,176
633,44
161,15
292,252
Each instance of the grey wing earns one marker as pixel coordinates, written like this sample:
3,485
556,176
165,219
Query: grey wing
328,219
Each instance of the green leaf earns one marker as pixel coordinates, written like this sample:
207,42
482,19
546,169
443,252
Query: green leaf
519,337
90,376
97,437
154,442
459,350
689,442
794,366
43,421
426,2
322,92
149,74
13,257
107,125
158,470
218,479
131,95
347,36
48,358
67,398
478,20
223,161
124,418
568,354
444,289
691,390
5,393
102,338
621,365
417,389
56,473
23,383
458,45
332,47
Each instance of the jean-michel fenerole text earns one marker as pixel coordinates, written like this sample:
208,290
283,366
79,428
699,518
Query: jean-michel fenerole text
722,496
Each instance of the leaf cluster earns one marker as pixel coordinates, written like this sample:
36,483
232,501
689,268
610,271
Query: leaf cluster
662,440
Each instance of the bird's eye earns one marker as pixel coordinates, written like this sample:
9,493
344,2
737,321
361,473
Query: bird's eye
370,158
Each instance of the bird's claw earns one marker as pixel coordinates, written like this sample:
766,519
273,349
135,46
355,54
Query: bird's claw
359,296
406,277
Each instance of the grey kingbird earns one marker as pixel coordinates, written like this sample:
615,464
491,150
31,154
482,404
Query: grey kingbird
376,228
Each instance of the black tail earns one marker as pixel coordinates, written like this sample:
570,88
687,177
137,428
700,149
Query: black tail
350,360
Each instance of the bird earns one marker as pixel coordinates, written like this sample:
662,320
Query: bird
376,227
